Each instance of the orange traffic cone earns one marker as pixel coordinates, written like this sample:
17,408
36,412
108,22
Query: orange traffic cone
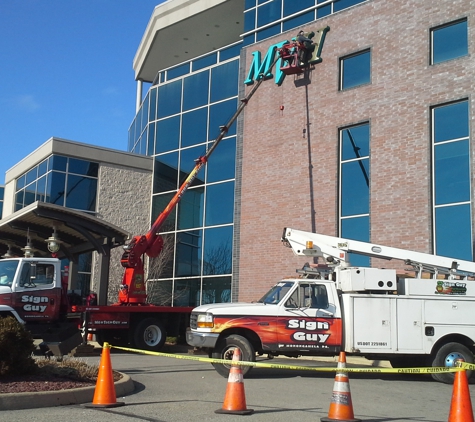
341,407
461,405
104,394
235,399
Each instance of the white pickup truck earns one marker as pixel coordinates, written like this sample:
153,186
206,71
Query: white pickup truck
366,312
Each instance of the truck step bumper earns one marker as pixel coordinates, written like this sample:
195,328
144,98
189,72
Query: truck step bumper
195,339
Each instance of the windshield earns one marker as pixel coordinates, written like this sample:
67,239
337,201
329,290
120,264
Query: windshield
7,272
277,293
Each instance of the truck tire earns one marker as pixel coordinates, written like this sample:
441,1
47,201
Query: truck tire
447,355
225,349
149,334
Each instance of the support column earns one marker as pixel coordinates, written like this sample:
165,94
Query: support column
103,272
138,100
73,283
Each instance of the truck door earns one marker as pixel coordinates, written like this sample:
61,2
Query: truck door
37,294
309,320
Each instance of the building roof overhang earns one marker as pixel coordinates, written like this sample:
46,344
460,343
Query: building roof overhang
180,30
77,231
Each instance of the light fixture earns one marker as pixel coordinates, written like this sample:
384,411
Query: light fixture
28,249
54,243
9,253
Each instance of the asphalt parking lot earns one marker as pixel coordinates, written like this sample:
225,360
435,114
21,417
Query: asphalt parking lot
168,389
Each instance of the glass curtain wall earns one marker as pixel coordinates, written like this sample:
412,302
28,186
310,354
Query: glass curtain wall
177,123
354,187
263,19
59,180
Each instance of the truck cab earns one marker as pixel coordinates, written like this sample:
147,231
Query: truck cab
32,291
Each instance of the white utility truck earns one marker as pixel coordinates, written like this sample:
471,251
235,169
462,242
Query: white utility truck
424,320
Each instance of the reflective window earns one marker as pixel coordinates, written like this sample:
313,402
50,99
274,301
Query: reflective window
160,292
187,164
451,122
205,61
56,185
356,228
293,6
195,90
249,3
354,195
188,261
152,113
84,167
269,12
167,135
219,114
354,187
194,127
453,231
449,41
190,209
32,175
224,81
219,203
165,172
151,139
41,189
249,20
222,164
218,251
42,168
452,172
299,20
178,71
216,290
452,181
187,292
169,99
159,203
355,70
230,52
30,194
58,162
81,192
268,32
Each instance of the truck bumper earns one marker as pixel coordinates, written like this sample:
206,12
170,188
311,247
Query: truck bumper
195,339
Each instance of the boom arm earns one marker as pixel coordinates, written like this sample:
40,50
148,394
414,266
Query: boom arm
335,249
133,284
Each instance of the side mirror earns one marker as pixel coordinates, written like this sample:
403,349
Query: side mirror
33,271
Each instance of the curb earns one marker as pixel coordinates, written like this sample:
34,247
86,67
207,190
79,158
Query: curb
17,401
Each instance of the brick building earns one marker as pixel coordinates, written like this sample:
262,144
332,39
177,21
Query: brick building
372,143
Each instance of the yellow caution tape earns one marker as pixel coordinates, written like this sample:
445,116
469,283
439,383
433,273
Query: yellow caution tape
429,370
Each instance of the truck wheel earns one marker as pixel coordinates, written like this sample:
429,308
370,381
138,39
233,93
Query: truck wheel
447,355
225,350
149,334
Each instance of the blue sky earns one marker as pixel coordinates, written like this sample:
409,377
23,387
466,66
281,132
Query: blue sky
66,71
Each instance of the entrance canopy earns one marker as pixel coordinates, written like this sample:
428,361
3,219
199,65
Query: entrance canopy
77,231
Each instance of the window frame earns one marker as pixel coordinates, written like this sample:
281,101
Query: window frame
341,69
441,28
